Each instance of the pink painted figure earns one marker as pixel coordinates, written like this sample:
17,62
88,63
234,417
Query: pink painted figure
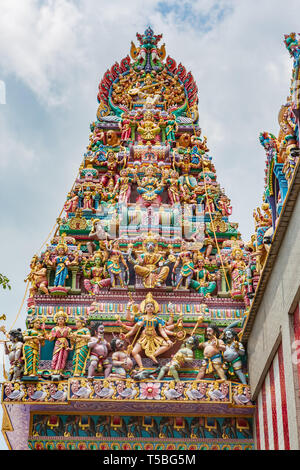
60,334
72,203
99,349
112,164
125,128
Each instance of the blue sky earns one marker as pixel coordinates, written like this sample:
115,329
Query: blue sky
52,57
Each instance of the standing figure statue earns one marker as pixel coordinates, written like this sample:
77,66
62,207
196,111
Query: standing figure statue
212,350
146,338
14,350
80,339
61,262
113,265
185,275
233,354
150,265
183,356
34,337
97,233
99,350
60,334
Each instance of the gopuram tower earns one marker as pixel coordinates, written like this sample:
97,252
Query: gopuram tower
136,305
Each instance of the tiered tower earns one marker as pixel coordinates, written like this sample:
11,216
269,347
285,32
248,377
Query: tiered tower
135,306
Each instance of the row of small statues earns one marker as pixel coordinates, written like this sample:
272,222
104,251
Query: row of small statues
116,187
151,337
108,267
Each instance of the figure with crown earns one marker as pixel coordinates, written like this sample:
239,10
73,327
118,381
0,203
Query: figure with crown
150,265
151,336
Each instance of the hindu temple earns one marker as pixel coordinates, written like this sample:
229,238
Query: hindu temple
142,328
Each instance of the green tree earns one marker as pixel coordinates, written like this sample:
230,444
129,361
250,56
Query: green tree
4,282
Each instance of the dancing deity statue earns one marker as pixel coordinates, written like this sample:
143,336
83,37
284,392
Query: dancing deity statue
96,276
150,334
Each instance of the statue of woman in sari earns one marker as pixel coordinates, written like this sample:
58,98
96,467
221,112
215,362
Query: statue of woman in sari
60,334
34,337
80,339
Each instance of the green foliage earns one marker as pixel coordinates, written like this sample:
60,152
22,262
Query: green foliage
4,282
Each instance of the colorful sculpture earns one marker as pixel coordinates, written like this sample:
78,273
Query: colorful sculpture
99,349
80,339
61,335
152,343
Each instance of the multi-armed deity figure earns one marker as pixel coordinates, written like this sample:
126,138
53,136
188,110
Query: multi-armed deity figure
150,332
150,265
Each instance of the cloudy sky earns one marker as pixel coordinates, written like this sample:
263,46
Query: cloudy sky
53,54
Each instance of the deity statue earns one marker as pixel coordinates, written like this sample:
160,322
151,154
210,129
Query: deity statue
14,348
60,334
186,165
99,350
72,202
185,259
172,179
115,259
213,348
123,187
201,144
80,339
152,342
125,128
171,128
37,277
62,262
233,354
147,129
96,276
237,268
183,356
97,233
150,265
33,338
224,205
122,363
112,162
149,187
205,281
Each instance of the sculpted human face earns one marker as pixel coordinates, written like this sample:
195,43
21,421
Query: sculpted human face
209,333
61,320
100,331
149,308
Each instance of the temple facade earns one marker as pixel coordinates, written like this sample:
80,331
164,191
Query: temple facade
142,303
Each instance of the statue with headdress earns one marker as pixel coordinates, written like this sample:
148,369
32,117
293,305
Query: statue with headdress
150,265
61,335
61,262
79,340
237,268
95,273
34,337
150,334
150,187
